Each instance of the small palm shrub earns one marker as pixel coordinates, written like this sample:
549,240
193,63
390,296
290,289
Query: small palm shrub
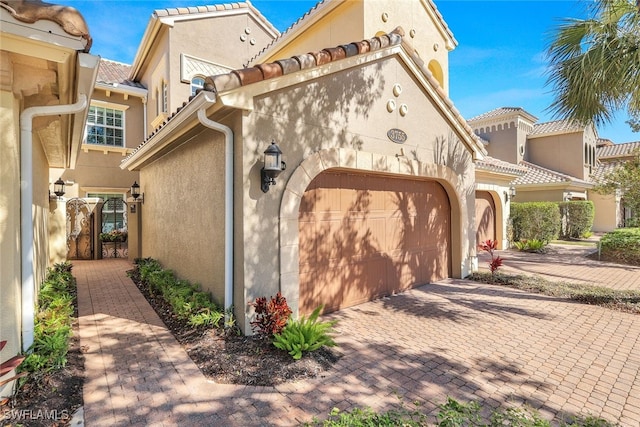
271,316
305,335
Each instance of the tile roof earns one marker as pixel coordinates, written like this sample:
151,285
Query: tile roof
115,73
502,111
245,76
539,175
617,150
71,21
194,10
603,169
496,165
318,6
242,77
556,126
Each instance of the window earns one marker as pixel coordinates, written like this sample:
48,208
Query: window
162,98
197,82
105,126
113,211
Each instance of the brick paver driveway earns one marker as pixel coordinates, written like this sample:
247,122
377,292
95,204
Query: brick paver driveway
458,338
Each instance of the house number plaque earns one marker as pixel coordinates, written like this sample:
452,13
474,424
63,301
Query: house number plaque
396,135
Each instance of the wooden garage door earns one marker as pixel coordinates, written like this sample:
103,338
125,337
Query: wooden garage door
485,217
363,236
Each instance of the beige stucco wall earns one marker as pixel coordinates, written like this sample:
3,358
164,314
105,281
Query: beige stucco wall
184,211
550,195
563,153
10,297
607,214
504,140
341,121
357,20
57,231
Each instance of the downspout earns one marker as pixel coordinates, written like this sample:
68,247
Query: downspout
26,206
228,198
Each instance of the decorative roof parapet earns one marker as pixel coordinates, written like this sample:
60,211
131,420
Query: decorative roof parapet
32,11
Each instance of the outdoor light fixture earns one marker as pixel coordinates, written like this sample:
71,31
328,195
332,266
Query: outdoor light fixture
512,191
58,187
135,192
273,165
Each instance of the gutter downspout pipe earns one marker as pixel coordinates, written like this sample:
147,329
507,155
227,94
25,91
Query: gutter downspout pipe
228,199
26,207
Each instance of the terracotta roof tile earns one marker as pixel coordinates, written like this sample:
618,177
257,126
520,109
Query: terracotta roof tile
496,165
238,78
315,9
539,175
502,111
115,73
603,169
617,150
194,10
71,21
223,82
556,127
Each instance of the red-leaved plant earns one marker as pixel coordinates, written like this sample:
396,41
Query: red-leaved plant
8,366
490,246
271,316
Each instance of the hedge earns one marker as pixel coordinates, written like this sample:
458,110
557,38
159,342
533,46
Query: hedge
535,220
577,218
621,245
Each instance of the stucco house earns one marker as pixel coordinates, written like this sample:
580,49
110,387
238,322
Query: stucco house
46,82
610,210
379,190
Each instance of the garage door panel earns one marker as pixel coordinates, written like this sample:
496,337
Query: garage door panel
485,217
388,235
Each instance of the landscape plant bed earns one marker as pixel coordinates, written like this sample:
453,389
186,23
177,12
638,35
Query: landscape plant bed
621,300
231,358
50,398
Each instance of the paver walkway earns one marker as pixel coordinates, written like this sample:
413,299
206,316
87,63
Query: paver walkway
457,338
568,263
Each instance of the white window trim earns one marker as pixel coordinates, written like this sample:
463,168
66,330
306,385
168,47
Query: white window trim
104,147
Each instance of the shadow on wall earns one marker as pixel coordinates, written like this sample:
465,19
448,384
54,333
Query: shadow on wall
365,236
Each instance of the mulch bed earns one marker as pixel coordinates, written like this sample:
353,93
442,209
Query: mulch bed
231,358
50,399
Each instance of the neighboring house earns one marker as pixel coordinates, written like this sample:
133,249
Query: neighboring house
378,194
114,127
610,210
46,81
561,159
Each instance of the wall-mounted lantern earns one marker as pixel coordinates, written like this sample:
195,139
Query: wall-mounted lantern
135,192
58,187
511,194
273,165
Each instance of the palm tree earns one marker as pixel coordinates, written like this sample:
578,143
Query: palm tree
595,64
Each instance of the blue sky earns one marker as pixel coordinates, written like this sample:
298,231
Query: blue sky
499,61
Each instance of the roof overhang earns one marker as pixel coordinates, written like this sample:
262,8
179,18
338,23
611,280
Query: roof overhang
123,89
156,23
74,74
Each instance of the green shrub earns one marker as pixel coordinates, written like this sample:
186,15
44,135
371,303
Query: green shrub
186,299
366,417
621,245
576,218
530,245
535,220
305,334
53,319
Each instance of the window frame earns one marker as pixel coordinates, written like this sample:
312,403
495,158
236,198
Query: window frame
104,108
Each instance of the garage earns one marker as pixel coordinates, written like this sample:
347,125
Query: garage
485,217
366,236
